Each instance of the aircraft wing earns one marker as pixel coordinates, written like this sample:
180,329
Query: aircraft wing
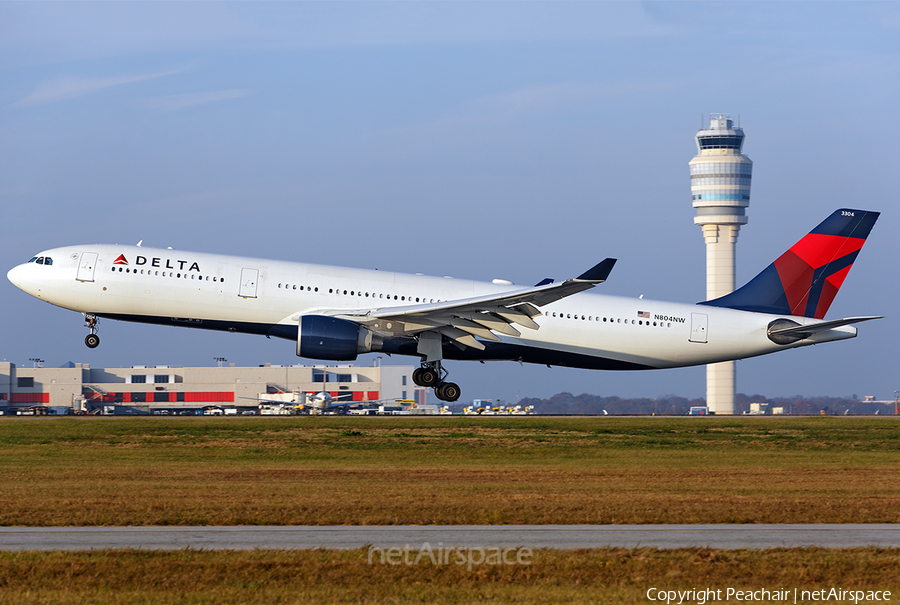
463,319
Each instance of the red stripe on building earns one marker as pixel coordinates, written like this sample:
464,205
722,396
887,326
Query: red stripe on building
30,398
208,397
372,395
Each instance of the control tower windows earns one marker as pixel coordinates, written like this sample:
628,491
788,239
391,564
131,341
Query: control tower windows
720,142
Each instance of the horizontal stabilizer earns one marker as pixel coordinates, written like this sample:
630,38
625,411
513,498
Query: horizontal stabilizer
818,327
786,331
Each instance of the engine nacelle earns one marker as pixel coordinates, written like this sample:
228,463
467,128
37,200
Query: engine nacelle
323,337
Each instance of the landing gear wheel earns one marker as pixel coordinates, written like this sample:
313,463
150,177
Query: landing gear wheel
447,391
91,340
425,377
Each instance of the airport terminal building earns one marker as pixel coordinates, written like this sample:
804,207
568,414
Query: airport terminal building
81,387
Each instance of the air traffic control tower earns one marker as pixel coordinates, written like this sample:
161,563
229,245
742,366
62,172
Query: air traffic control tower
720,189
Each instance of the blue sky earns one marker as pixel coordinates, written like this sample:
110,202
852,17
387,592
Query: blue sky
480,140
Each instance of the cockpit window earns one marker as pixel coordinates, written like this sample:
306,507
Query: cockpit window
33,258
48,261
40,261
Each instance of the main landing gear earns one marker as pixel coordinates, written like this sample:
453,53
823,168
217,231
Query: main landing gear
432,374
91,340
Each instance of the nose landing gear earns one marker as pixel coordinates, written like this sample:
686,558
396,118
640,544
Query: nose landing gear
432,374
91,340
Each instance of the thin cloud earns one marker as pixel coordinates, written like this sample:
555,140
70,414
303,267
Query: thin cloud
70,87
888,16
193,99
533,100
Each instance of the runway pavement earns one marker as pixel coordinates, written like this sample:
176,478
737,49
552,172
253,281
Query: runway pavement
460,536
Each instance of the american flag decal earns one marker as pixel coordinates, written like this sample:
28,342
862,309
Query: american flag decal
644,314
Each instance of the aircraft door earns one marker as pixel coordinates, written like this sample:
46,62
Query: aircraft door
249,277
698,327
86,266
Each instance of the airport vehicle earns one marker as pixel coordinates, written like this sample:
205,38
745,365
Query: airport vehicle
314,403
337,313
307,402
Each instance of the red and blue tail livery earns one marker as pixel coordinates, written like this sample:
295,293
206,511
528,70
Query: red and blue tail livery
804,280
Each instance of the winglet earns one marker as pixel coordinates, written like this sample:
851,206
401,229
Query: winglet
544,282
599,272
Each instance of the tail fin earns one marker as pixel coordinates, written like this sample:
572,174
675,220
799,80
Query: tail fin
804,280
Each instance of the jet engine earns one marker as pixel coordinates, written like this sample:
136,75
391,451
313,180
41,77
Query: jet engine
323,337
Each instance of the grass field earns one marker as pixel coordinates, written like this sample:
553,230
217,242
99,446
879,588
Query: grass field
287,577
316,471
339,470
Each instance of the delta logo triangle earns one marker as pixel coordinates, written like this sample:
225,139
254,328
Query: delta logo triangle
121,260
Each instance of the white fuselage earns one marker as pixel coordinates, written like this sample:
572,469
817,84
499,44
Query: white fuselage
268,297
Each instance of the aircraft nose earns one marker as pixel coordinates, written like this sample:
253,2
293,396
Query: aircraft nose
25,279
16,275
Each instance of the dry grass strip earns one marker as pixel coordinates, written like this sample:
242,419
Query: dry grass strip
293,577
374,471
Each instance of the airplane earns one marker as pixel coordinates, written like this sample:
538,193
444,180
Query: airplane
337,313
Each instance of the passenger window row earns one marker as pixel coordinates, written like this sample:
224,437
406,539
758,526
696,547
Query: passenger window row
341,292
612,320
174,274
